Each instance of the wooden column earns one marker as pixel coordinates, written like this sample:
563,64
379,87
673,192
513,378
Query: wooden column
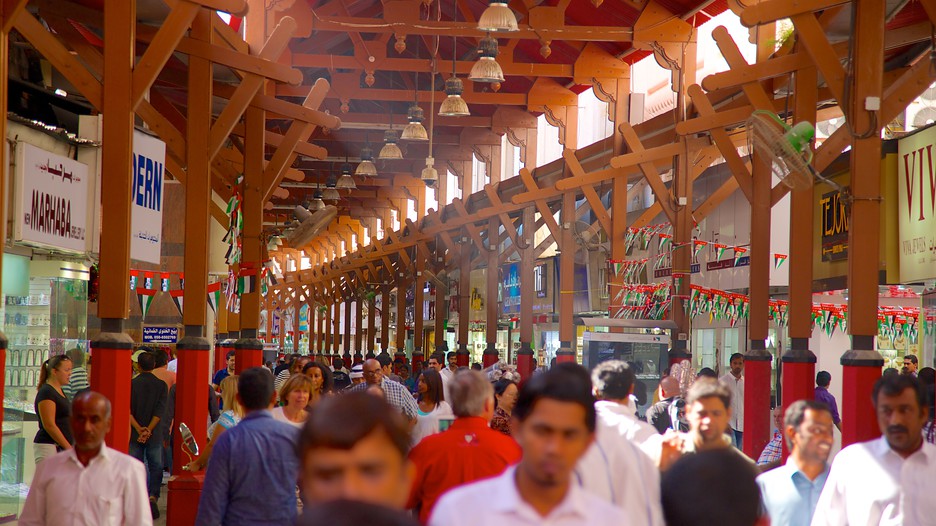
384,320
418,298
194,349
113,347
526,359
358,331
567,245
441,309
490,355
401,318
757,360
323,326
620,114
566,279
684,223
464,304
371,326
862,364
347,329
799,363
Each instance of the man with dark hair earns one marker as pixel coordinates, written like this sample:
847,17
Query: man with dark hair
436,361
708,412
452,359
386,365
354,446
468,451
790,492
224,372
252,474
734,379
658,415
822,394
715,487
476,367
554,423
888,480
148,396
707,372
911,362
614,467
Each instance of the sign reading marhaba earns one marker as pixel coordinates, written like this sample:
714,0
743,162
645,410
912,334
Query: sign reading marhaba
916,179
149,161
51,199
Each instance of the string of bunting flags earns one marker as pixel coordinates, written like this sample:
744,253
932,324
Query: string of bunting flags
246,280
639,301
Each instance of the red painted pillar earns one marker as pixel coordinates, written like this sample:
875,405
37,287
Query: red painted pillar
797,377
248,352
756,400
186,491
191,396
526,362
220,353
110,375
860,370
462,356
418,357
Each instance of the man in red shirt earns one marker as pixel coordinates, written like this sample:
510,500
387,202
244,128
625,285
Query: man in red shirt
468,451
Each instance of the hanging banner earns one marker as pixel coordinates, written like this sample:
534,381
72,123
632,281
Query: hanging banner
146,197
916,206
51,199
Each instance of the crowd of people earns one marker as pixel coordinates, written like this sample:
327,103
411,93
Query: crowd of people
313,443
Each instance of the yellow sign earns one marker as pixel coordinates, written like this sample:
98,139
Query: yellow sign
916,205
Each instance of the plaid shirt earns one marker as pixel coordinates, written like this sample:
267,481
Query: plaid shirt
396,395
929,432
772,451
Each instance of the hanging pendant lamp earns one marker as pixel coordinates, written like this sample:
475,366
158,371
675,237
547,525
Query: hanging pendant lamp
486,69
345,182
366,167
498,17
454,105
390,149
415,131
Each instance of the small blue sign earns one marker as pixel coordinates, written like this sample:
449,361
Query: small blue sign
160,334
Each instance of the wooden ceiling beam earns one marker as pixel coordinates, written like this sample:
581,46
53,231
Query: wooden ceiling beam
462,67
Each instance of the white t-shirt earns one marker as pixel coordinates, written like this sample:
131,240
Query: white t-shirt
278,414
428,423
870,484
496,502
737,400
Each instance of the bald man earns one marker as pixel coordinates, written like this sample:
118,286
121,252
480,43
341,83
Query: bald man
90,483
659,413
395,393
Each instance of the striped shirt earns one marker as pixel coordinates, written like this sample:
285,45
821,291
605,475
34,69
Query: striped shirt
396,395
77,383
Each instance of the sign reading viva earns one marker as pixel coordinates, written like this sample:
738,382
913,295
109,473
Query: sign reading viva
149,161
916,180
51,199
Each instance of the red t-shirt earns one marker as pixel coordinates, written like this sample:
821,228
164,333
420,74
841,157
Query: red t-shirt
468,451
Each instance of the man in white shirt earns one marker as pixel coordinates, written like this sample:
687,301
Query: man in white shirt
614,467
734,379
889,480
435,361
90,484
554,423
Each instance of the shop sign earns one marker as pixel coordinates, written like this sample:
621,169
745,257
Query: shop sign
539,280
160,334
721,264
916,206
511,287
833,224
304,318
146,196
51,199
666,265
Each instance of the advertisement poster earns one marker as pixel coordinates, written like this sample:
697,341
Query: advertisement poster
51,199
149,161
916,206
511,287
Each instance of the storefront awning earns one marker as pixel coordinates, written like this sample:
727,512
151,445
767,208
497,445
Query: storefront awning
625,323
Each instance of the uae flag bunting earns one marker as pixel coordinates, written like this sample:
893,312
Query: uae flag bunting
247,282
738,254
719,250
778,260
164,282
697,247
133,279
665,239
214,295
148,280
145,297
177,299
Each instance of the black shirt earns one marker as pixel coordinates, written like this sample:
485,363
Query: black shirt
62,415
658,415
148,395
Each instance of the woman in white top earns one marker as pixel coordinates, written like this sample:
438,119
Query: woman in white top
231,416
295,396
432,406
